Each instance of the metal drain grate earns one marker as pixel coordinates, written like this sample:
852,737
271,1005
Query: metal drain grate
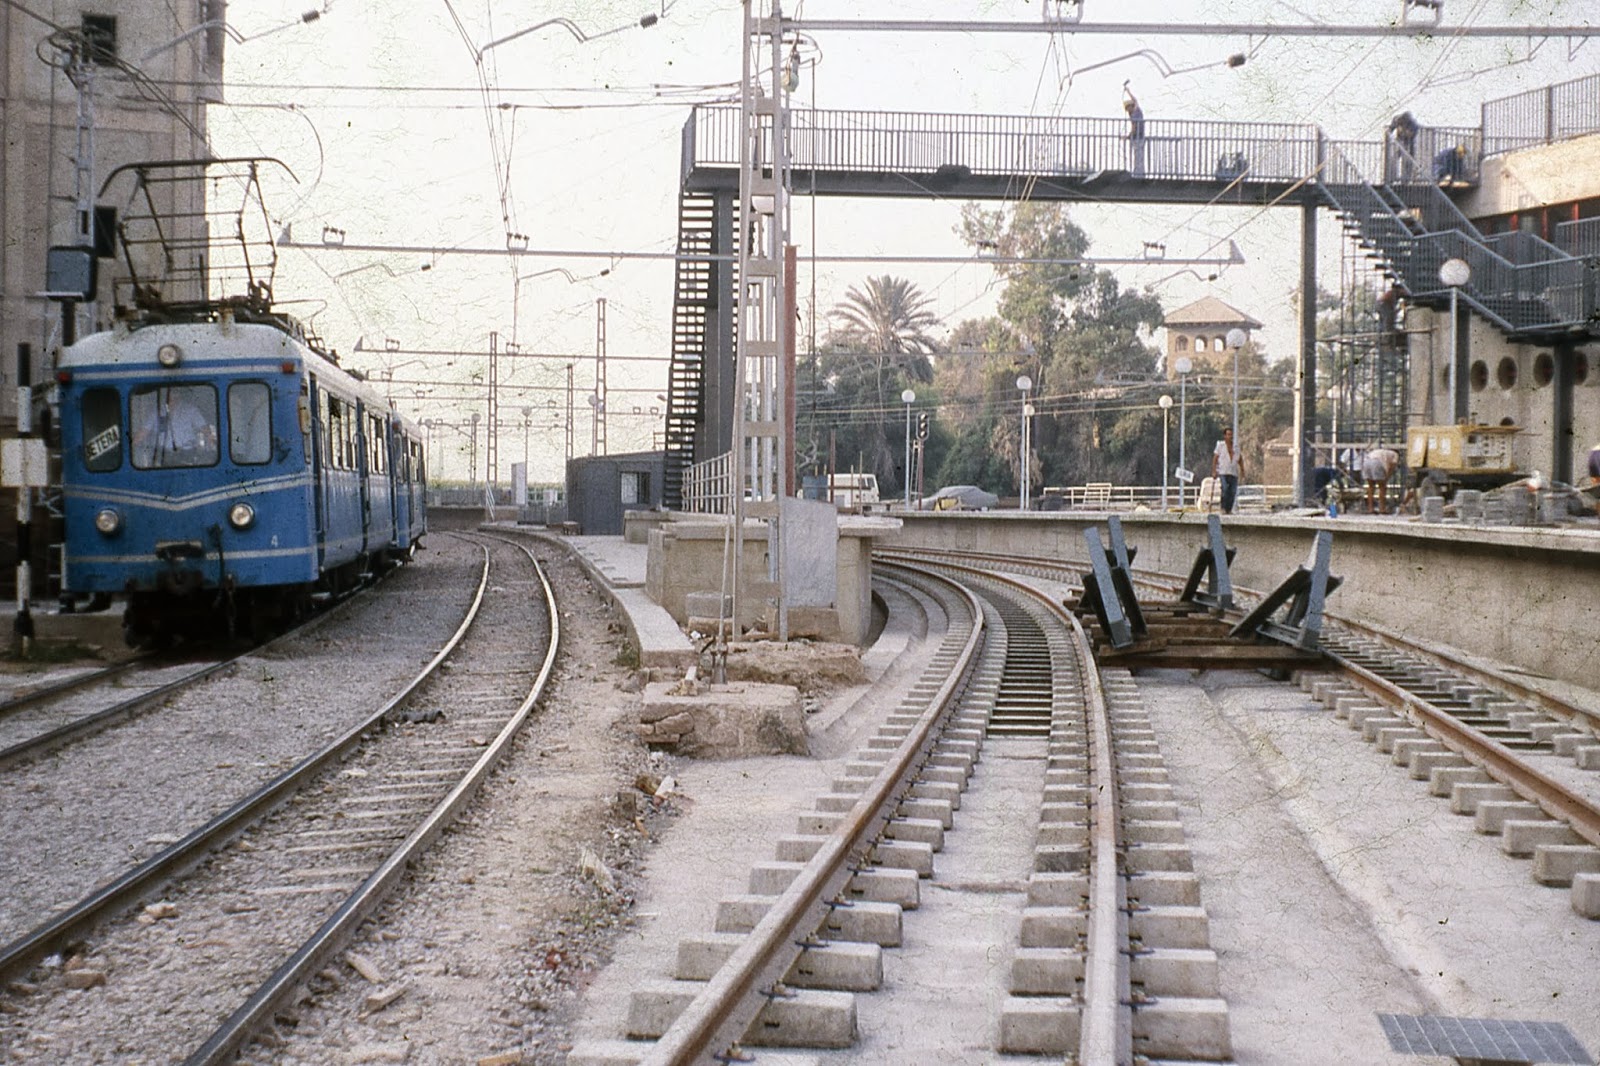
1483,1040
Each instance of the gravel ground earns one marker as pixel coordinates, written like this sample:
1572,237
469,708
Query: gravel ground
486,949
76,819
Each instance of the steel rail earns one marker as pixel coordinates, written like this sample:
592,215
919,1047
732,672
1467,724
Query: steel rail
718,1017
1105,1033
172,860
48,741
225,1042
71,684
1495,758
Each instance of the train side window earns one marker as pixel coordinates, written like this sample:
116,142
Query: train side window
174,426
102,430
250,422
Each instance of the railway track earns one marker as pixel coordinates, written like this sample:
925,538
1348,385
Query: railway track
289,871
799,961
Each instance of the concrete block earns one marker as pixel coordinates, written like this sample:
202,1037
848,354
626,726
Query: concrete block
1151,812
1370,726
1046,971
1038,1026
1161,888
837,802
882,884
1406,747
1345,704
807,1018
1073,813
1170,927
1546,731
817,823
937,810
1059,858
655,1005
1145,793
1586,895
608,1053
797,848
732,721
1521,839
1359,717
1464,799
943,775
1147,858
1052,927
957,762
1062,834
1424,763
1066,795
1189,972
863,922
1568,743
1153,832
772,878
938,790
904,855
1524,719
699,957
842,967
916,830
1492,814
1387,737
1058,890
1443,780
1154,776
1587,756
741,913
1183,1028
1558,864
1063,778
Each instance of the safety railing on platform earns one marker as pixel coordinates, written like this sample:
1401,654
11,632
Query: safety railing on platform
918,142
707,486
1542,116
1105,496
1580,237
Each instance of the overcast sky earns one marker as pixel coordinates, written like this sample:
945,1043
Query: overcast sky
379,109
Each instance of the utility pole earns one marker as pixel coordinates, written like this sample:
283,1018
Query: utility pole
491,442
600,376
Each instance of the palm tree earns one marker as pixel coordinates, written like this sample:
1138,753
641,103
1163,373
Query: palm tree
889,320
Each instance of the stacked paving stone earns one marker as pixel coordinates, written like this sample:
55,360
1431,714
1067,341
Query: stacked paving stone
844,955
1178,1013
1561,858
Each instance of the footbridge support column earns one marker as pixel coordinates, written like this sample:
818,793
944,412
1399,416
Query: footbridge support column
1305,418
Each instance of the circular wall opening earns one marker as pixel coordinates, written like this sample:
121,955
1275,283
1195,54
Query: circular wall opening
1506,373
1580,367
1508,421
1544,369
1444,377
1479,375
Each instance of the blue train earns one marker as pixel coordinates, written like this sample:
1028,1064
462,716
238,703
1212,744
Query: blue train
219,470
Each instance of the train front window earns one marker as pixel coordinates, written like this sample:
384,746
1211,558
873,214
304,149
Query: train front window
250,422
174,426
102,430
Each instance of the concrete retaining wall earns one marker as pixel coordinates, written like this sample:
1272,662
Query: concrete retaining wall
1526,597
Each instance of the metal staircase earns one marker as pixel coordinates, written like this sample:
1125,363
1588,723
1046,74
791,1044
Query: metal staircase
695,301
1527,287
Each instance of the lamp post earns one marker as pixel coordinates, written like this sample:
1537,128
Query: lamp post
1335,396
527,421
1456,273
1236,339
1166,407
1183,366
1025,383
908,397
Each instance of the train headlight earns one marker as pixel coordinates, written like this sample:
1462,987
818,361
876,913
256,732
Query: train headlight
169,355
241,516
108,521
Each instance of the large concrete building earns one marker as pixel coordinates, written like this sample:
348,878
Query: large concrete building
87,88
1538,184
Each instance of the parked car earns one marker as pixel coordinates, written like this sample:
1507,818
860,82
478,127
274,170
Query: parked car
960,498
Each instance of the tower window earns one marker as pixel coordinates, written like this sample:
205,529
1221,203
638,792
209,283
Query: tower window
100,35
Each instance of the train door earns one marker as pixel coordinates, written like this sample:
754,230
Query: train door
314,426
399,476
365,461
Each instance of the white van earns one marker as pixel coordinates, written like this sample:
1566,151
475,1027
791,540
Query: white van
854,492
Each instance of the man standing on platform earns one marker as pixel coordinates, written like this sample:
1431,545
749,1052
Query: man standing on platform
1225,465
1377,467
